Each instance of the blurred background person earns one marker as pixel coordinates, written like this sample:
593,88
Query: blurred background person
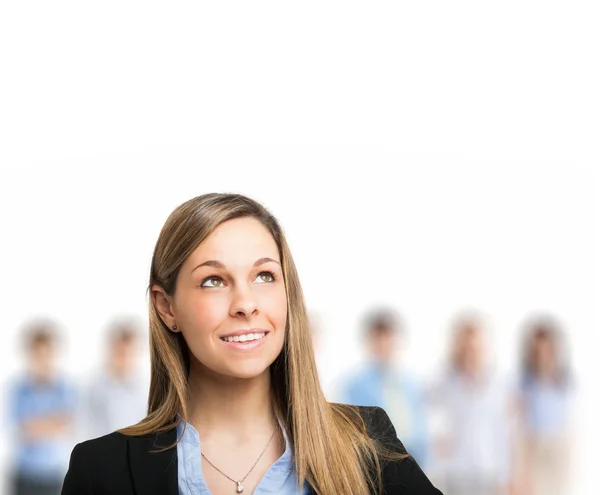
41,412
472,452
545,399
117,395
384,381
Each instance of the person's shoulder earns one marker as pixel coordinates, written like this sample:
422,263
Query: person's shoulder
98,463
369,414
109,455
361,372
378,424
376,420
104,446
400,473
18,384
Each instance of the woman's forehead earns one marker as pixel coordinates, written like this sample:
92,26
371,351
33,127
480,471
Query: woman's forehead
239,241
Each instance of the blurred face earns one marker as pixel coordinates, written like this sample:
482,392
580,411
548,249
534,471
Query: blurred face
383,346
544,356
41,358
122,354
472,350
230,301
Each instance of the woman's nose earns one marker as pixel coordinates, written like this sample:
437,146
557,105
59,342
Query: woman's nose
244,304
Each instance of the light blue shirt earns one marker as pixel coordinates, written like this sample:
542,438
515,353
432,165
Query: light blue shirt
46,458
401,396
280,479
546,407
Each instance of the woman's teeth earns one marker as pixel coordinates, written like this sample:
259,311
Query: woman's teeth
244,338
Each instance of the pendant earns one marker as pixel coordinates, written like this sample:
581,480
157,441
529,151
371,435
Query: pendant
239,488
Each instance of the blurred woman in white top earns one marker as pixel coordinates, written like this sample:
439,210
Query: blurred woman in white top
472,449
117,395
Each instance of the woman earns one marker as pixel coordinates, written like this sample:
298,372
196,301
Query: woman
473,449
545,402
234,380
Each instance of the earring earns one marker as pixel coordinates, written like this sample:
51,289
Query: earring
174,328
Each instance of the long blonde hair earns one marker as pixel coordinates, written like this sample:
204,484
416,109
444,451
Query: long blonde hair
332,450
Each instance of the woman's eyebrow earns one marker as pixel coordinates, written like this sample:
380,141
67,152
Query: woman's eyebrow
262,261
218,264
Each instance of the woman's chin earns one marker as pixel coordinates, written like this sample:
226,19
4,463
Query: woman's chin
244,370
248,372
234,367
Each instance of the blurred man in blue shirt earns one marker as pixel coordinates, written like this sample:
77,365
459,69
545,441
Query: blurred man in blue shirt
41,405
384,382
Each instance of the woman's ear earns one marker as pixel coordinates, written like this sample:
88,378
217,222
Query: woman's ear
162,303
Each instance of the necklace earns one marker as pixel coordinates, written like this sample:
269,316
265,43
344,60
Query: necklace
240,488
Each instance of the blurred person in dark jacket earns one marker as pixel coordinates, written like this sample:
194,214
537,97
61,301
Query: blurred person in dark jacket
117,395
546,394
383,381
42,404
473,452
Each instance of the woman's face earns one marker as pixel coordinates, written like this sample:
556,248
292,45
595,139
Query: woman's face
544,356
230,300
471,349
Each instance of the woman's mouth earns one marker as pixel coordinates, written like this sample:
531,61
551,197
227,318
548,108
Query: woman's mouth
247,337
246,341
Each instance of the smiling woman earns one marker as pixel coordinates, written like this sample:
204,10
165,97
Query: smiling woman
231,285
234,380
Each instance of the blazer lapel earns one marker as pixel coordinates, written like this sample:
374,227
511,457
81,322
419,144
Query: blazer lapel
154,473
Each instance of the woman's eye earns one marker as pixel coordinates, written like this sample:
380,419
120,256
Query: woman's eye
212,282
265,277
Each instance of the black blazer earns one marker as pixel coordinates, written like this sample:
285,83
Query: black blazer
125,465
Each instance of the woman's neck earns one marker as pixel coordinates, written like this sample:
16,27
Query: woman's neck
220,405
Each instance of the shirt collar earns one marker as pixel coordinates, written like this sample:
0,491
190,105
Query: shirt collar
189,435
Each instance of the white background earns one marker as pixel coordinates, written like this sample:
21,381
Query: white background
435,156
